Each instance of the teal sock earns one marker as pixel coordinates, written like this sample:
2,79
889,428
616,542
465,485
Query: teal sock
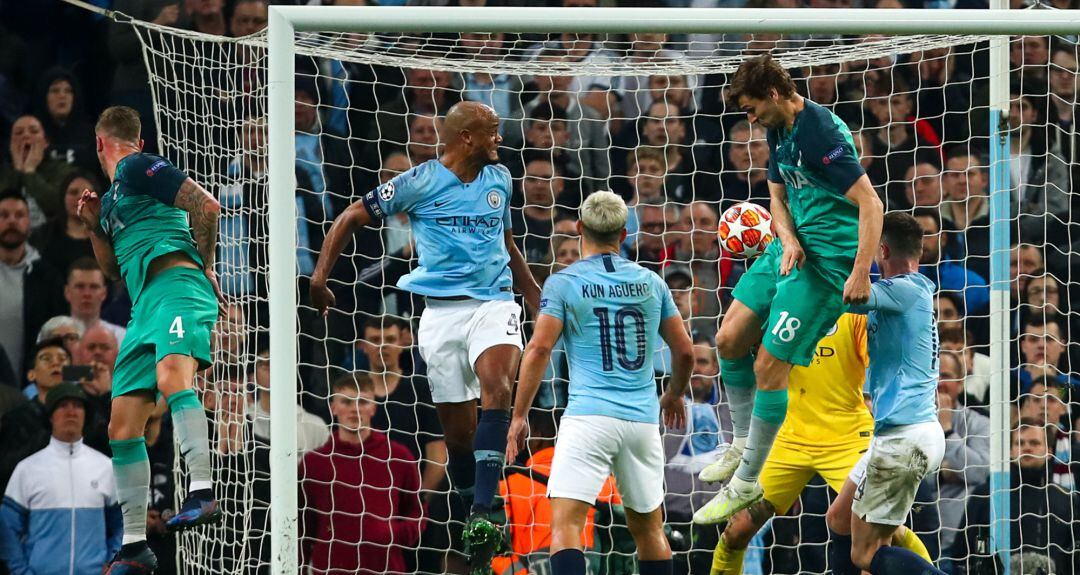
131,469
770,409
192,435
740,386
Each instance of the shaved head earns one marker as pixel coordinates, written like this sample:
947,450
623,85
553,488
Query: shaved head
472,128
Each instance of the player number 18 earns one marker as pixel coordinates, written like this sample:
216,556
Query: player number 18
785,327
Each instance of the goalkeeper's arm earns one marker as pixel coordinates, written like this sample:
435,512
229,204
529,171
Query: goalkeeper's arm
345,225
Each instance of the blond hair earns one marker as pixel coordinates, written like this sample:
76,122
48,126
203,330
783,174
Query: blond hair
603,217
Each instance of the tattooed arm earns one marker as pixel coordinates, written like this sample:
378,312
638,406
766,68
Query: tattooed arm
203,210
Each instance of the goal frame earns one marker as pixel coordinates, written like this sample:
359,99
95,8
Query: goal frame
285,21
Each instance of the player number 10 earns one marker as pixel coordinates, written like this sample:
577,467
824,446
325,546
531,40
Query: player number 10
621,317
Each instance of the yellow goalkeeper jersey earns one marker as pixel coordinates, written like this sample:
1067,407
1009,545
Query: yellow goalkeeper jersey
825,405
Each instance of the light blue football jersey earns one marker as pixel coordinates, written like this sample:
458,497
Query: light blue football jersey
611,309
903,345
459,229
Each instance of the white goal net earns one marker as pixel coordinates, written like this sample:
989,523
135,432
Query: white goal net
645,116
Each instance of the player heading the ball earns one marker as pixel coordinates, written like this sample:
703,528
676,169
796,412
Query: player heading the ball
469,334
610,313
827,220
141,232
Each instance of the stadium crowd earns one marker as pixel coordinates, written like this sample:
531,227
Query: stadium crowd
377,500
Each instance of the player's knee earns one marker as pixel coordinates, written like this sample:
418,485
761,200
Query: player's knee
120,428
496,392
838,519
862,555
728,345
175,373
770,372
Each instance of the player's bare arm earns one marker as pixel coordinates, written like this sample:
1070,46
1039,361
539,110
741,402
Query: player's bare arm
345,225
784,227
533,365
871,212
89,211
523,279
672,406
203,212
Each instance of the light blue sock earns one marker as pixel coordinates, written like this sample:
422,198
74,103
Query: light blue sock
740,385
192,435
770,409
131,469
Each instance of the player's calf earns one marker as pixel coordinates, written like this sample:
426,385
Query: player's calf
653,549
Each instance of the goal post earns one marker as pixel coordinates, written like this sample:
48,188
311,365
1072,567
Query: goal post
285,22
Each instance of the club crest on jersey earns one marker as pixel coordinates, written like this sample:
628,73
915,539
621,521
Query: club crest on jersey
153,169
387,192
834,154
494,199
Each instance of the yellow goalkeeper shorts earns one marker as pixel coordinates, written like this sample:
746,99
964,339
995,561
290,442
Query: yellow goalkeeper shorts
790,467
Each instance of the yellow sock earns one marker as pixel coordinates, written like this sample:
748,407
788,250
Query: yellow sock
910,541
726,561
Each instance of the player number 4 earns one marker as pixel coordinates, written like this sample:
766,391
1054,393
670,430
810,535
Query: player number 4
177,327
785,327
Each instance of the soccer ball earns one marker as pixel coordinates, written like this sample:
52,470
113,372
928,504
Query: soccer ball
745,230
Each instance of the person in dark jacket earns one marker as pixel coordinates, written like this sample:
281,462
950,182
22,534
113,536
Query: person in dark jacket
32,290
58,103
1044,516
360,492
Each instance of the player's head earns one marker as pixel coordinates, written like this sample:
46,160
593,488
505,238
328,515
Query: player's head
352,401
901,239
603,220
473,128
118,125
759,87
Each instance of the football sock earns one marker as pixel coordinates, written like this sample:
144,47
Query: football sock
725,560
568,562
840,555
489,448
192,435
461,467
656,567
770,409
740,386
131,469
910,541
891,560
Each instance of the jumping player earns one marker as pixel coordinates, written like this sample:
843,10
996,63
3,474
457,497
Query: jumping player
908,443
141,232
827,220
612,310
469,335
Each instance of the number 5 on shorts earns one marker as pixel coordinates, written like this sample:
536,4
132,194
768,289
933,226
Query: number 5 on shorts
177,327
785,327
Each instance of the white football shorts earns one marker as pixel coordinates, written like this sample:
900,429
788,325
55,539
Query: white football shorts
589,448
453,335
889,473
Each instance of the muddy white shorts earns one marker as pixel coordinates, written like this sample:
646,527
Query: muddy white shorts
453,334
590,448
889,473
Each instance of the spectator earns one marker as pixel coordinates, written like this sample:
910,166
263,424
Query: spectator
635,91
66,239
59,106
230,340
541,189
85,292
593,91
546,134
922,188
966,207
64,327
32,173
359,491
700,247
60,514
1044,293
30,286
426,93
528,510
668,128
1062,98
396,231
950,276
1044,516
323,157
207,16
311,431
248,17
649,247
1030,55
1040,177
1048,402
24,427
588,142
500,91
1042,351
566,251
966,464
423,138
745,173
976,365
1025,261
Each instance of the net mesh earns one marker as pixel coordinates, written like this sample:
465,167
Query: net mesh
644,116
